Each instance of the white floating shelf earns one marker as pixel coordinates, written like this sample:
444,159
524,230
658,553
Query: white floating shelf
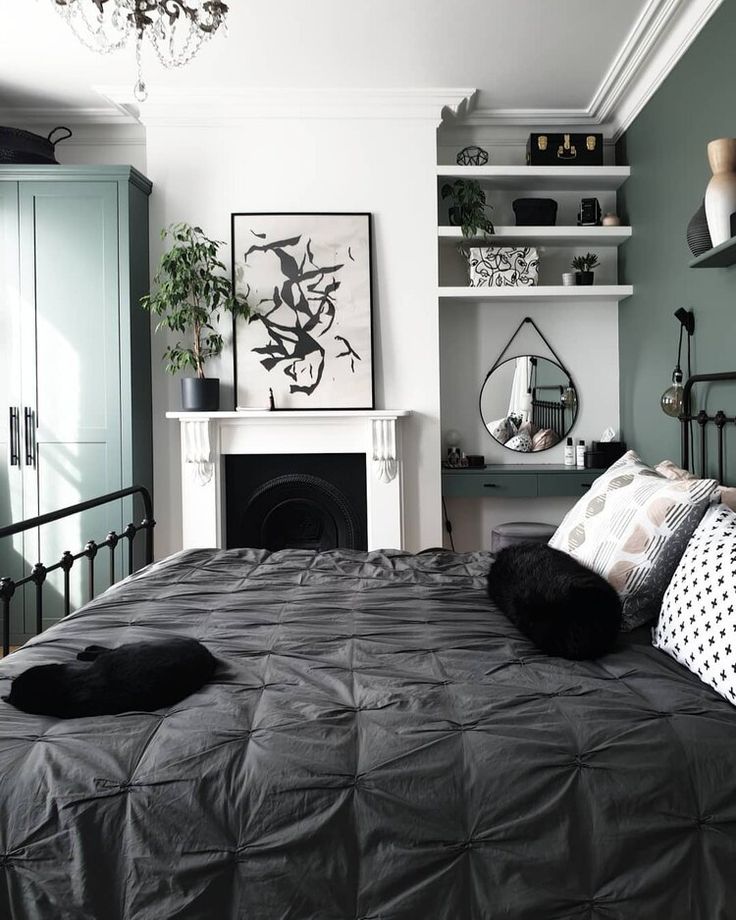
544,236
543,178
594,292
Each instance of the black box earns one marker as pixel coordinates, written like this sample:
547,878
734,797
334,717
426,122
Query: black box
564,150
611,450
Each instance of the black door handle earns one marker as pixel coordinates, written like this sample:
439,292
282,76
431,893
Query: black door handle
29,434
14,436
490,485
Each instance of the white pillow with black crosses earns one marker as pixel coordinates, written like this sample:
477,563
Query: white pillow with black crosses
697,623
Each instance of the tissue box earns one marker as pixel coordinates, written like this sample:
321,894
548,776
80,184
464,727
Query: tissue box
503,266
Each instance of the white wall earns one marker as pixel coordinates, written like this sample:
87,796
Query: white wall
202,174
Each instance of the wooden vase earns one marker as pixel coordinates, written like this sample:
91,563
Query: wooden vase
720,195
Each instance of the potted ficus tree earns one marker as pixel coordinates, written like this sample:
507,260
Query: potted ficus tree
192,293
584,266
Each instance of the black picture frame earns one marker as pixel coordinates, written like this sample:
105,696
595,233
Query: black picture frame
325,372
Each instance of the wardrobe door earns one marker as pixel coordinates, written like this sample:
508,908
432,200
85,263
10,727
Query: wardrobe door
71,398
11,448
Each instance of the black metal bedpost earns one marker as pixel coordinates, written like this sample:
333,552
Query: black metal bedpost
38,577
90,551
7,590
720,422
67,561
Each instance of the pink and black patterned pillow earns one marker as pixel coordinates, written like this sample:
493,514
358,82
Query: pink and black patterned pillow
632,527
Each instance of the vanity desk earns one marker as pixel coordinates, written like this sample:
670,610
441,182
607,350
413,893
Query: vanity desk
516,480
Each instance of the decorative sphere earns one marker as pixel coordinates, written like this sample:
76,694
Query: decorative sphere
452,437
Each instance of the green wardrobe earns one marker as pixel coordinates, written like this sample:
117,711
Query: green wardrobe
75,361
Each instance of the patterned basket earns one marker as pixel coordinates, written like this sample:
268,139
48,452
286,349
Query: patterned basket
503,266
17,146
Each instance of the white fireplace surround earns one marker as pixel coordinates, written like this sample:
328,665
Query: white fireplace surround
207,437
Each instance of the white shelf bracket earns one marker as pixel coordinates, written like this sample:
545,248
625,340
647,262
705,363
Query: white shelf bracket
385,458
196,449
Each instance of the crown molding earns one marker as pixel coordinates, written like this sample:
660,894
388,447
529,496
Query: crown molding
66,115
218,106
668,33
663,32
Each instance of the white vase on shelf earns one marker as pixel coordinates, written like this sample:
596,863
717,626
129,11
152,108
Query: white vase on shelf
720,195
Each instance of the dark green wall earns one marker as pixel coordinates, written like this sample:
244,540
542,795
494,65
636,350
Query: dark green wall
665,147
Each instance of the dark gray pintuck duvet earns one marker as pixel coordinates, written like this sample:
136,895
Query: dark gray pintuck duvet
377,744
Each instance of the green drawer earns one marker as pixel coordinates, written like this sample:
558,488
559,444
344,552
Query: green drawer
552,484
493,485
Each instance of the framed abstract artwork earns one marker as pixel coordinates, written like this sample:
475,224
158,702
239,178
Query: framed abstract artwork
309,341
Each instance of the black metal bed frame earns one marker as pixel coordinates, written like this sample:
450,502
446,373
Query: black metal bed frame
702,418
548,413
39,572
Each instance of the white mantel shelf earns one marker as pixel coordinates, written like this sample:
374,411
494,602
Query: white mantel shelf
208,437
281,414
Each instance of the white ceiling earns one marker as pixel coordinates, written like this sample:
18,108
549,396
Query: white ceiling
521,54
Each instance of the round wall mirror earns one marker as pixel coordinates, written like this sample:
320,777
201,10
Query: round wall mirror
528,403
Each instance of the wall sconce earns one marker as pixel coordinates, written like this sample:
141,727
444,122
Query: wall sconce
671,400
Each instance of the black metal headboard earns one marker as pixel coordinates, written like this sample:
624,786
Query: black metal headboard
549,413
702,419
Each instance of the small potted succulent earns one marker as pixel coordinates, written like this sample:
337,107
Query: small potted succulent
584,268
192,293
468,207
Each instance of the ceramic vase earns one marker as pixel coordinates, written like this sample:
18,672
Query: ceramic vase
720,195
698,237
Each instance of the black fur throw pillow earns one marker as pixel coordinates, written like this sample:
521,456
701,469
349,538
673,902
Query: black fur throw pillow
141,676
565,608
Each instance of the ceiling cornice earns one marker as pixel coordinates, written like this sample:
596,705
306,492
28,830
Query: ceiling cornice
213,106
663,32
661,35
675,29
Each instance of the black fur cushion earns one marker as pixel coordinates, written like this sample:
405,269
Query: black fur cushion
565,608
140,676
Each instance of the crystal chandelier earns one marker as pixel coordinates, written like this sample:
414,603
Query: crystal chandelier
175,28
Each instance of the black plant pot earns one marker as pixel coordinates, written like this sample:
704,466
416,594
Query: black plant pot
200,395
584,277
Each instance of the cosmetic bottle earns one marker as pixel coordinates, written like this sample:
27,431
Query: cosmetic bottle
569,453
580,455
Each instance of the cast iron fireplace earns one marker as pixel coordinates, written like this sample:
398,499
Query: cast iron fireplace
296,501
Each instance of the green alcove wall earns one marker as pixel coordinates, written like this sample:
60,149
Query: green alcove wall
666,149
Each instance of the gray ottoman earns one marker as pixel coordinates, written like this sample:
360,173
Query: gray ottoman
520,532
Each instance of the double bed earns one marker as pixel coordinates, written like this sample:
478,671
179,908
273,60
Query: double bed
378,743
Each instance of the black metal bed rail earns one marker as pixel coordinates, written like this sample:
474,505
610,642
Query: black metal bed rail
549,414
702,419
39,572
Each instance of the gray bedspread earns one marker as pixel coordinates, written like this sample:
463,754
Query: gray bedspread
378,744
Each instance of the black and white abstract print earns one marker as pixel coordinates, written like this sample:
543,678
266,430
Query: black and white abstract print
307,278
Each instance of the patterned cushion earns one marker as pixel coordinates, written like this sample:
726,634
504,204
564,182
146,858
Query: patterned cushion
544,439
522,442
632,527
697,625
499,429
670,470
